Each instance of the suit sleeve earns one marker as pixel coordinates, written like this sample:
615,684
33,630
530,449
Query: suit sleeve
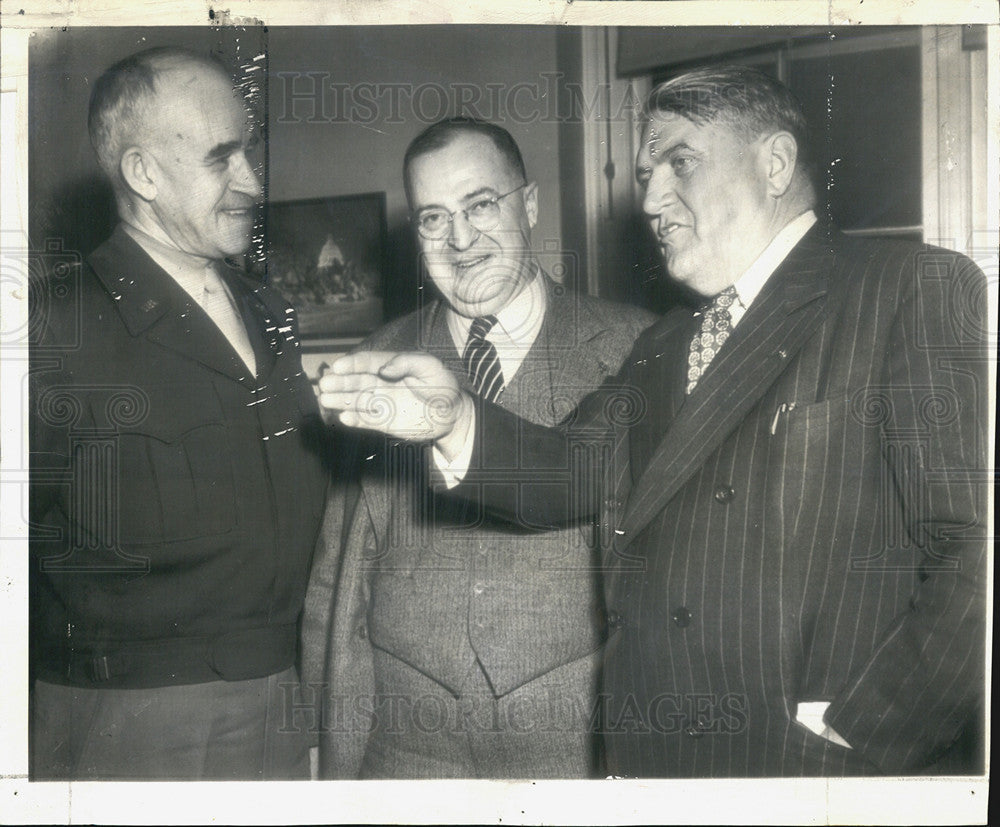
342,497
924,681
541,478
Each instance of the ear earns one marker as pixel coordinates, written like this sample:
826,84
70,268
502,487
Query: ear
531,203
137,168
780,153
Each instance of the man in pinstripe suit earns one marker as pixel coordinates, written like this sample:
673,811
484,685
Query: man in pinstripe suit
797,581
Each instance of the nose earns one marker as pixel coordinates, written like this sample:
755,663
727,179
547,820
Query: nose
660,190
462,234
243,178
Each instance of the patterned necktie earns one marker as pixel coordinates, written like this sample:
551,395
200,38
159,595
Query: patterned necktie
716,325
218,305
481,360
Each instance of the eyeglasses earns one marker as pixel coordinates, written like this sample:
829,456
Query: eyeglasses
434,223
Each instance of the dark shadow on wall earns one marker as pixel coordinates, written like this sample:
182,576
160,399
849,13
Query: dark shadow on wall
403,277
643,279
80,214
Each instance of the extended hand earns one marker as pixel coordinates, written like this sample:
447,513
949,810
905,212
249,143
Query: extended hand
405,395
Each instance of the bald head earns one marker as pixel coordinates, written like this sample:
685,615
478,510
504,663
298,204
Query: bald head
123,101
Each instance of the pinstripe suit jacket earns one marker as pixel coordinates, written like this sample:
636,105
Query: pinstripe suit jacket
807,525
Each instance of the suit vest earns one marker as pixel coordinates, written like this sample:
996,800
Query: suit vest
452,589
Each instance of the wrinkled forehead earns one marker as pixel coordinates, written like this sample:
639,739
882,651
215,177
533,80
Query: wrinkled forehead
659,129
659,122
196,100
662,130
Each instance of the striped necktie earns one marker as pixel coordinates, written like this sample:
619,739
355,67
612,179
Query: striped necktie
481,360
218,304
716,325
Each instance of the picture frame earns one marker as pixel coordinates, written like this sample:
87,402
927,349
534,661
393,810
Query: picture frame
328,257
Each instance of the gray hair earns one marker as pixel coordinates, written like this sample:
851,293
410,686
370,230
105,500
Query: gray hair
747,101
121,97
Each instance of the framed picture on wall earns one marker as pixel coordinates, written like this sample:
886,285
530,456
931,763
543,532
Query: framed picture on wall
327,256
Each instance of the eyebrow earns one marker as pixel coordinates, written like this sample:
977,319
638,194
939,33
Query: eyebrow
679,145
479,192
662,156
220,151
465,198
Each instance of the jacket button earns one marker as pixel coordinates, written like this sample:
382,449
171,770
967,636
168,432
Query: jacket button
724,494
479,588
615,620
362,631
682,617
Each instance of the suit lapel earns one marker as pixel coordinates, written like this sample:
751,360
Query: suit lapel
152,304
528,393
431,335
784,316
267,317
661,375
568,327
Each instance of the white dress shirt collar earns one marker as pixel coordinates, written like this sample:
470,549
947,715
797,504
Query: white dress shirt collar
194,274
187,270
516,329
749,285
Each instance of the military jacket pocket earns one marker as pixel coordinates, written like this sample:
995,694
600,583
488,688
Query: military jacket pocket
173,470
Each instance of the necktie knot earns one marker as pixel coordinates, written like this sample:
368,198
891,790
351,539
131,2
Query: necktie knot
724,300
716,325
481,326
482,362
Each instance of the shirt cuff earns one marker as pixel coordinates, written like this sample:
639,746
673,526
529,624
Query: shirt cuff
455,470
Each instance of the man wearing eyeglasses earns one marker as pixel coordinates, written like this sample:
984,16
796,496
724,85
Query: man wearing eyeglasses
443,645
798,576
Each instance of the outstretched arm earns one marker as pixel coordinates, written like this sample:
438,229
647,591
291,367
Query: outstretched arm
525,474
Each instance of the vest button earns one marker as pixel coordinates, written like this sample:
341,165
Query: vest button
682,617
479,588
724,494
615,620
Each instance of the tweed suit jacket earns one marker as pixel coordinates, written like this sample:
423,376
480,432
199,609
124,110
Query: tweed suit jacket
806,526
582,341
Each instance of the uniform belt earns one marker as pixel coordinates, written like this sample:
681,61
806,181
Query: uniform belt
233,656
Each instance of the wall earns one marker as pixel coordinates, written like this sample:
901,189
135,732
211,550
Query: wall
70,202
343,104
